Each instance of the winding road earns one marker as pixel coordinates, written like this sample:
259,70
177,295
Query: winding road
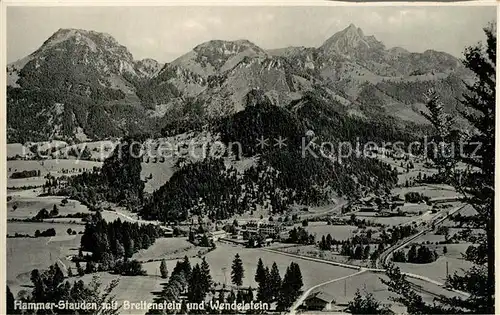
438,219
435,221
382,261
304,295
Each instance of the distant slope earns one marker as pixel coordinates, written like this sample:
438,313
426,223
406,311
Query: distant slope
82,85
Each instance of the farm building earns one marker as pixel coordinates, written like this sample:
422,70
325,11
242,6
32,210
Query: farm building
216,235
319,301
268,229
63,267
167,232
370,208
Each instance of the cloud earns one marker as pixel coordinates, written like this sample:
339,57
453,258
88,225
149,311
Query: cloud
214,20
374,18
193,25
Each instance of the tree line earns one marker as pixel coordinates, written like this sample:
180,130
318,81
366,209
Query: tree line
116,241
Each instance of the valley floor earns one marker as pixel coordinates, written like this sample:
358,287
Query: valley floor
319,273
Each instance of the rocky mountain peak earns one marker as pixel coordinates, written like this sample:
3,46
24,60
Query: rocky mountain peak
224,47
76,56
93,40
350,39
148,67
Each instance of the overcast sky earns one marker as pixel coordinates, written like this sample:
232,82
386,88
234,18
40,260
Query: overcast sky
164,33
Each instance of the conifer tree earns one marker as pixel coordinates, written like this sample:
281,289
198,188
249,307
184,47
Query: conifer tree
275,281
475,183
206,278
237,272
163,269
260,274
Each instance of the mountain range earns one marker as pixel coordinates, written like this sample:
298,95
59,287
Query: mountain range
81,85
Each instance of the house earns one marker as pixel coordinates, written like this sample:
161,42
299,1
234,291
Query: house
319,301
268,241
270,229
167,232
398,203
368,209
397,198
216,235
62,267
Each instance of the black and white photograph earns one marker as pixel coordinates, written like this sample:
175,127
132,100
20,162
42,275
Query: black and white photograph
256,159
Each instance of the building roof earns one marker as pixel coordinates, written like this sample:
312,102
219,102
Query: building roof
325,297
218,232
62,266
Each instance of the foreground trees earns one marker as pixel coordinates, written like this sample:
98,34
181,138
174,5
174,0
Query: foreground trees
291,287
117,240
366,304
49,287
476,183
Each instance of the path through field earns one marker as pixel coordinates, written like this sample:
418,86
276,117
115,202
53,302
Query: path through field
302,298
383,259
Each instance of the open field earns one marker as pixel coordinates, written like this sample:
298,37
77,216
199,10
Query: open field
133,289
390,221
26,182
429,191
26,254
437,270
28,206
169,248
466,211
99,150
21,150
222,257
124,215
161,173
344,290
51,165
31,227
338,232
315,252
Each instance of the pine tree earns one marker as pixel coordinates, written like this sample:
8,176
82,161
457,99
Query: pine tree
297,278
90,267
275,281
79,269
290,288
322,243
475,183
239,297
237,272
412,254
163,269
231,297
186,267
249,295
366,252
328,242
358,252
10,303
206,278
260,274
196,292
366,305
263,290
